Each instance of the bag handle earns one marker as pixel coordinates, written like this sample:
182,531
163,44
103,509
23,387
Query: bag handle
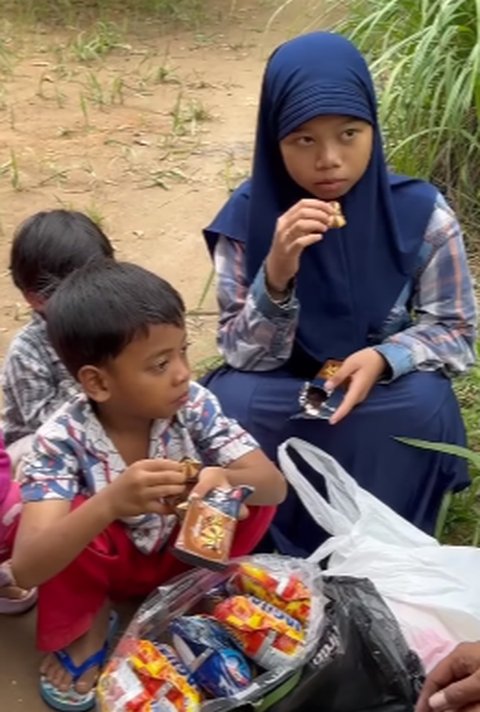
336,517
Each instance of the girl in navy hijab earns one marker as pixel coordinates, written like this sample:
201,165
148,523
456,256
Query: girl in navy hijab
389,294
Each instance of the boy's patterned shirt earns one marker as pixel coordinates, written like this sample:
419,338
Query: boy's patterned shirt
72,454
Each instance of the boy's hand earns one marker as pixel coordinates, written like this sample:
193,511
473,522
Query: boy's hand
362,369
141,488
215,477
301,226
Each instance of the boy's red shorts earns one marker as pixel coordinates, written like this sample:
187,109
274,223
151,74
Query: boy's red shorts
112,568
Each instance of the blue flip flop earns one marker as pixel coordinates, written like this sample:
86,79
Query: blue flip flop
71,700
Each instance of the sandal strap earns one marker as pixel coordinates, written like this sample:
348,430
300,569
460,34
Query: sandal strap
76,671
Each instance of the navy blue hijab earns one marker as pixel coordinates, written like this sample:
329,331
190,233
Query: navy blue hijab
347,283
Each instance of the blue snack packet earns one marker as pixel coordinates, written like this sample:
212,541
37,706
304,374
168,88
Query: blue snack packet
214,662
316,401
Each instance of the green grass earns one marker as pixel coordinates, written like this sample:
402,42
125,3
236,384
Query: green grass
188,115
425,58
95,214
96,43
163,178
459,520
73,12
11,169
462,525
6,56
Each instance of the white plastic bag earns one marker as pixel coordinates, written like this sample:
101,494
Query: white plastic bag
433,590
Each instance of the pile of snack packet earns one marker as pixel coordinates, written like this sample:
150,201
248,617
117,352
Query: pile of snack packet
209,640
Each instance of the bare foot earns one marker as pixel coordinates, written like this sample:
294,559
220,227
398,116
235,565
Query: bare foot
79,651
8,585
13,593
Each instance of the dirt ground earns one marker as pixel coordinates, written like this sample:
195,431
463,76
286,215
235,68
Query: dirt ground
148,138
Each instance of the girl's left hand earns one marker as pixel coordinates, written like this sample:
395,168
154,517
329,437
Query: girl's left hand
363,369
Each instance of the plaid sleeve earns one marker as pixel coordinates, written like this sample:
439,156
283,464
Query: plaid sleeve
443,335
220,440
30,393
50,470
254,333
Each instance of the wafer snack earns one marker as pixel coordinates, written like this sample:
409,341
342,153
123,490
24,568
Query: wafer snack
338,219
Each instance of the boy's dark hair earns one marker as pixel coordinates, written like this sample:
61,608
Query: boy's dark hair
100,308
48,246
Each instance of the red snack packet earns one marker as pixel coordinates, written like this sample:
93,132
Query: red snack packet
266,634
150,679
287,592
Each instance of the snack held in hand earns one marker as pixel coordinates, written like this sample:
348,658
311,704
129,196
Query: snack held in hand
191,470
287,592
338,217
210,655
316,401
151,679
206,536
329,368
263,632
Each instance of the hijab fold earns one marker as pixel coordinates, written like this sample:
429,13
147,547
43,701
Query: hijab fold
347,283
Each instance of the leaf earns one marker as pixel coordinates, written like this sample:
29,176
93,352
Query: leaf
447,448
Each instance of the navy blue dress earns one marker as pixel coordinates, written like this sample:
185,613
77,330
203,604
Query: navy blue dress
411,481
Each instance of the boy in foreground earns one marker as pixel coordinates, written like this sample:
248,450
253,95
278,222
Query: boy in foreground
95,526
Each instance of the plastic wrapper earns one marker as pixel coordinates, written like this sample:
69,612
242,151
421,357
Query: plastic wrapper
191,470
208,528
191,594
316,401
266,634
330,367
285,592
151,679
210,655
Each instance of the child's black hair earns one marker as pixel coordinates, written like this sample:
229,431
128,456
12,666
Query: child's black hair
99,309
48,246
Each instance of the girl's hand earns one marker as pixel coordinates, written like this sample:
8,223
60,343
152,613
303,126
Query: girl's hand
363,369
301,226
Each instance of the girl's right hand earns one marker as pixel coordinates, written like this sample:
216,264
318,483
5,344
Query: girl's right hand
302,225
142,487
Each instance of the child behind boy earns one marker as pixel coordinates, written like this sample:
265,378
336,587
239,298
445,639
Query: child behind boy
95,526
46,248
13,600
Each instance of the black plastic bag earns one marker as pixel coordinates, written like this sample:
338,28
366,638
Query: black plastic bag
362,663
